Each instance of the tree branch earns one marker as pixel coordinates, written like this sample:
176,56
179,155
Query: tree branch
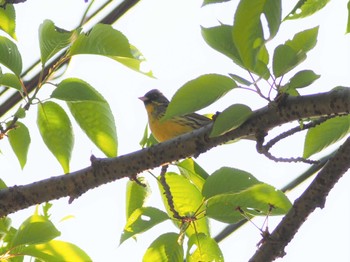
313,197
106,170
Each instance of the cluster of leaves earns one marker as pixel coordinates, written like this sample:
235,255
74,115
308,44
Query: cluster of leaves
88,107
228,193
225,194
35,237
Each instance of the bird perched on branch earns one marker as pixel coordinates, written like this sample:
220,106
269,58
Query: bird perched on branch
156,104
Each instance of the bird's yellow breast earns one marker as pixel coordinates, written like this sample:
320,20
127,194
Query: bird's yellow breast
164,130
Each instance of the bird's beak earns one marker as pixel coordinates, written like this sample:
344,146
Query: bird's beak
143,98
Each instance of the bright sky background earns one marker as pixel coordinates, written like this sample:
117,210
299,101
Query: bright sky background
168,34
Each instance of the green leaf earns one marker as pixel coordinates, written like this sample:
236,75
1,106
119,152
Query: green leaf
231,118
180,190
35,230
285,59
5,223
198,93
141,220
194,172
56,250
203,248
136,195
75,89
306,8
207,2
293,52
19,139
348,23
53,39
304,41
165,248
11,80
228,180
10,56
97,121
56,130
102,40
240,80
325,134
255,200
302,79
220,39
2,184
247,32
8,20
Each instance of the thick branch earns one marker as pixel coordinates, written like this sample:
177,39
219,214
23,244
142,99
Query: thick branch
110,169
313,197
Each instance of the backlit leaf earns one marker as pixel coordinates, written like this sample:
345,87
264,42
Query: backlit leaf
97,121
306,8
19,139
74,89
325,134
136,195
141,220
56,130
56,250
52,39
257,200
11,80
10,56
8,20
203,248
228,180
180,190
35,230
165,248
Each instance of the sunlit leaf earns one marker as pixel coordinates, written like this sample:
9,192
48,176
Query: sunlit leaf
203,248
199,93
231,118
325,134
11,80
257,200
8,20
306,8
97,121
52,39
141,220
165,248
19,139
180,190
136,195
247,32
10,56
56,130
194,172
56,250
35,230
75,89
228,180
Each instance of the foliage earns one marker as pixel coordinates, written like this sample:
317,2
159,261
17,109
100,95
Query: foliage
228,194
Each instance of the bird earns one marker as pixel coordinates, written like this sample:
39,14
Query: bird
156,104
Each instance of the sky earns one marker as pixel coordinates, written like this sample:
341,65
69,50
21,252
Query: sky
168,34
